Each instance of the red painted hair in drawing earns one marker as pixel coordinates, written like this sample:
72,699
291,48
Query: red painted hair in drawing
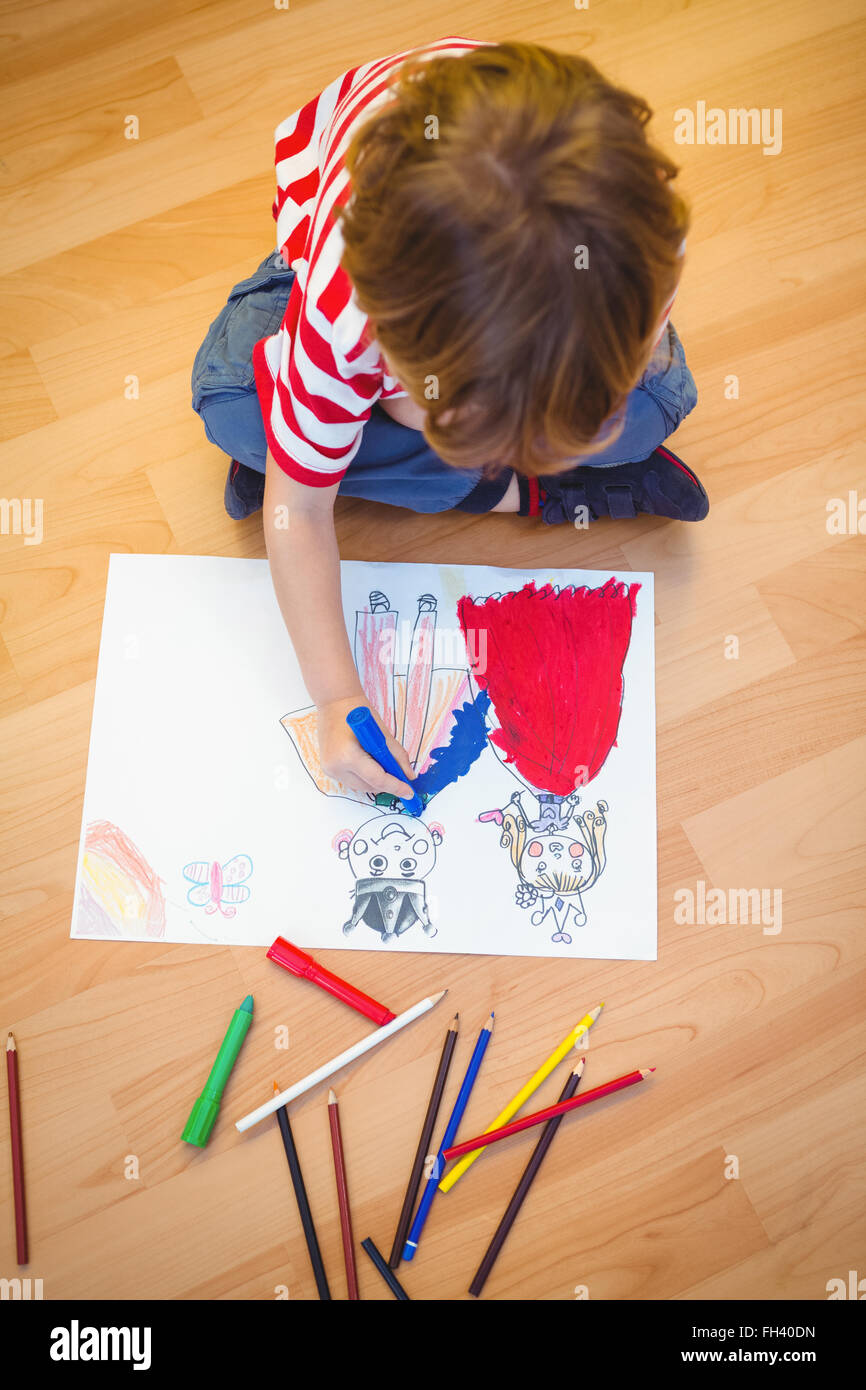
553,670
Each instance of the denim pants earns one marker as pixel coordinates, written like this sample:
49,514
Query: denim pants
395,464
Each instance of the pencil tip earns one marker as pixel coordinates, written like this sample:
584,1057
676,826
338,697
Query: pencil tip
455,1023
276,1087
578,1071
434,998
489,1023
10,1043
332,1097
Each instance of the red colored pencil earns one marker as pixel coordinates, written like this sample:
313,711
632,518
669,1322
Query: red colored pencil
343,1196
540,1116
17,1152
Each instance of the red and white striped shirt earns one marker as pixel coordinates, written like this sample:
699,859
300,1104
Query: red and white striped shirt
319,376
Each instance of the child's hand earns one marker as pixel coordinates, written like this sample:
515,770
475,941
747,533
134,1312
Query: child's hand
343,758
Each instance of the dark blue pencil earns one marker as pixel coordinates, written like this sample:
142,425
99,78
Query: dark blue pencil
387,1274
447,1139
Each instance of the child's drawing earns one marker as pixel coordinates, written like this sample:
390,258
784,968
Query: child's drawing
553,673
555,863
421,692
118,892
525,698
219,884
390,857
547,670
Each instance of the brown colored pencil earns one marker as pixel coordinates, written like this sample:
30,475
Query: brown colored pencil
17,1151
510,1215
424,1144
343,1196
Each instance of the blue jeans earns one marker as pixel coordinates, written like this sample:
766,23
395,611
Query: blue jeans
395,464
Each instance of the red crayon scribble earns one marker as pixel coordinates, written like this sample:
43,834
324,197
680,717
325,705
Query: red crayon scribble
554,675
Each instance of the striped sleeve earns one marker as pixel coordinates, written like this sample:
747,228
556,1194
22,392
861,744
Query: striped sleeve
312,414
314,403
296,157
319,376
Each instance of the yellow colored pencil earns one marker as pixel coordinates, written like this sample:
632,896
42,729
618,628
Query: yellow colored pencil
579,1031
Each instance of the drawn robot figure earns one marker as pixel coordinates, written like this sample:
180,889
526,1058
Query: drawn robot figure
555,862
390,857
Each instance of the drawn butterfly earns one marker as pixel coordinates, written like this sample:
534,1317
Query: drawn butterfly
216,884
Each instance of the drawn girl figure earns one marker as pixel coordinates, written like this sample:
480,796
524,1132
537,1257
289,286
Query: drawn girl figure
554,863
553,673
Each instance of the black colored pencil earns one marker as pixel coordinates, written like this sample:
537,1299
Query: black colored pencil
501,1234
423,1144
303,1204
382,1265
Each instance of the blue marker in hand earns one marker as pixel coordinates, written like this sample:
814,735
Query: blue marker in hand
360,720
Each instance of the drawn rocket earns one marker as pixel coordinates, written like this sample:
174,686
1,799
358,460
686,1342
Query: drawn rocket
424,699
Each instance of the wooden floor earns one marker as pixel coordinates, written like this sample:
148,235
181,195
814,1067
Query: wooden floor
115,254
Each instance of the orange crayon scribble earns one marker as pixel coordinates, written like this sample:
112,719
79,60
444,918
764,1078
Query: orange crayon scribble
375,639
449,688
120,893
419,677
303,732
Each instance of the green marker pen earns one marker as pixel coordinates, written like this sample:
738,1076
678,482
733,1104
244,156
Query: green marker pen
204,1112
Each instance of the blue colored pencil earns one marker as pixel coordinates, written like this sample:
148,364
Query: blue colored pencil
447,1139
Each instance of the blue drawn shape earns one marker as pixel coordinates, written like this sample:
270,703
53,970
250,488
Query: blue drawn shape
467,743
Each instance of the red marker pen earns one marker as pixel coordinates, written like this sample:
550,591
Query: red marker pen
299,963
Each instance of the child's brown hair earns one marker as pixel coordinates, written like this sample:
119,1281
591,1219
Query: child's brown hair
473,191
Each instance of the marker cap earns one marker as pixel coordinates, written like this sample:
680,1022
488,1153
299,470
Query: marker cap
201,1121
290,957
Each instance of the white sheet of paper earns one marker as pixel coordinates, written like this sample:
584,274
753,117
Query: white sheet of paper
202,824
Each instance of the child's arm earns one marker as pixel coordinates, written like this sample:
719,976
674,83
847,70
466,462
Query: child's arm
404,411
305,569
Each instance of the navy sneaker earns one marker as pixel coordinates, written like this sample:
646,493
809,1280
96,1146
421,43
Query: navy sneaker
245,491
660,485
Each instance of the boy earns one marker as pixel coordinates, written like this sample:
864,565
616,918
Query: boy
478,251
